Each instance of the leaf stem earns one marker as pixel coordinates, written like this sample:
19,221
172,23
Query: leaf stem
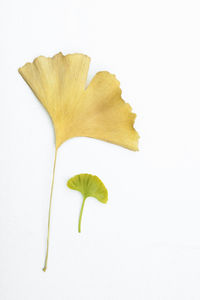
80,216
49,218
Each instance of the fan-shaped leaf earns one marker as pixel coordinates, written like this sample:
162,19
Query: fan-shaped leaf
89,186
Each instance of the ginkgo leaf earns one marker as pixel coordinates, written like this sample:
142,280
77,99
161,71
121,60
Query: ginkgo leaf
89,186
97,111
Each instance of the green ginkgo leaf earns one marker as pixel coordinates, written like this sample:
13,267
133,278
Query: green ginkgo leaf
89,186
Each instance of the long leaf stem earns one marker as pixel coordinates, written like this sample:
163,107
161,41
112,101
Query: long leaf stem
49,218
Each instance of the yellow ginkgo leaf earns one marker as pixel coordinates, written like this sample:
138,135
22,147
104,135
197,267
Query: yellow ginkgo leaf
97,111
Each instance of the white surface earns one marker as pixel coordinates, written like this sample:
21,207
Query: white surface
145,243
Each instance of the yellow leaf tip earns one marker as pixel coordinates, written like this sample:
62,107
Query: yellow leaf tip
34,61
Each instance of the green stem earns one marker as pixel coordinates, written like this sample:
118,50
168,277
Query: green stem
80,216
49,218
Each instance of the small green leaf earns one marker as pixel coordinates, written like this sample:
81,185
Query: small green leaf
89,186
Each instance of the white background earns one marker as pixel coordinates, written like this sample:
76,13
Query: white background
145,242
